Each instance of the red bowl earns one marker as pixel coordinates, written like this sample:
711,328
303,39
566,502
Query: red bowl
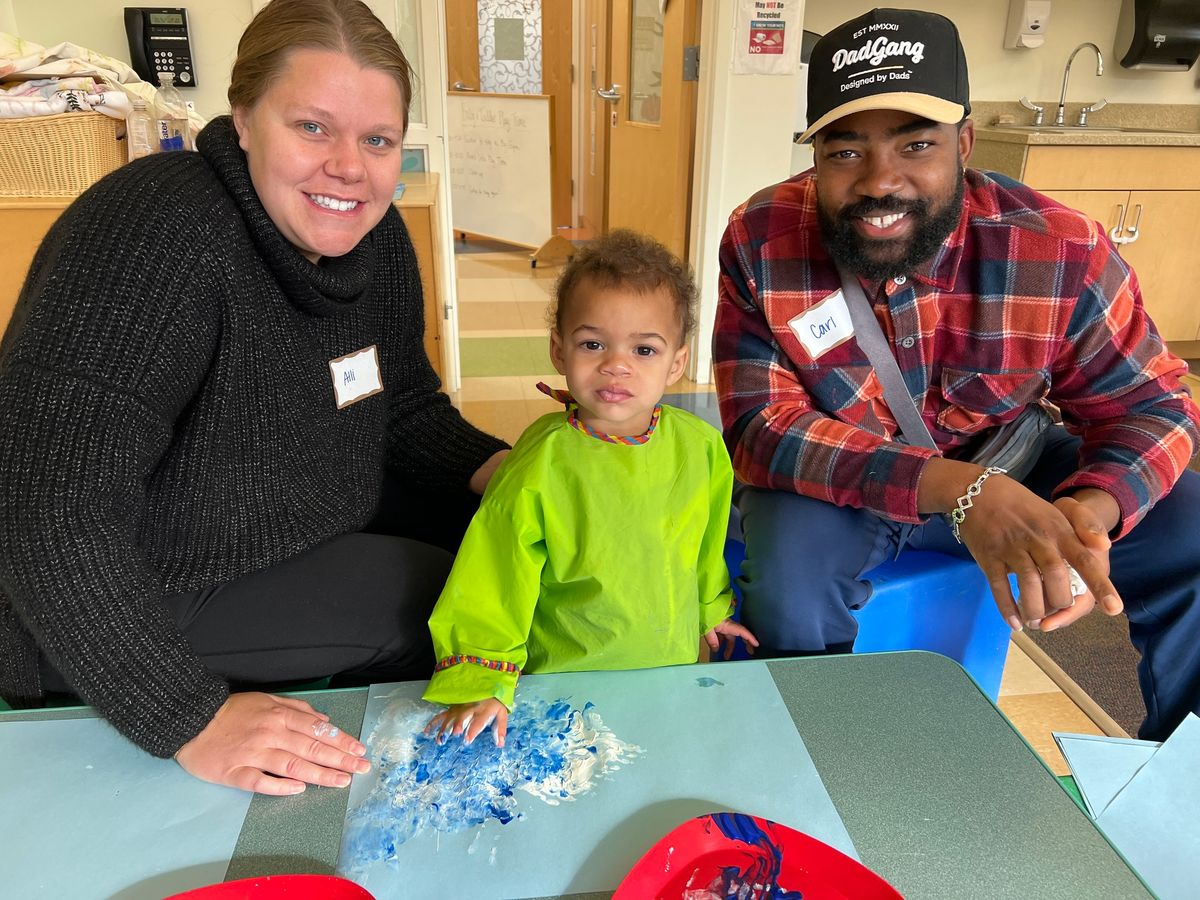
291,887
722,852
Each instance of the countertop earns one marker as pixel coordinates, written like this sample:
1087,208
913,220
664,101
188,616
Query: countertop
1149,124
420,189
1087,137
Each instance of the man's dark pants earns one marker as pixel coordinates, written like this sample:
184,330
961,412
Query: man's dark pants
805,561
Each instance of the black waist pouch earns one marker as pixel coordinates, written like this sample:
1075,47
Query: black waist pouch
1017,446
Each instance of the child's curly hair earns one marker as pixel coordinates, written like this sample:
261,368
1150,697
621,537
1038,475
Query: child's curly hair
625,258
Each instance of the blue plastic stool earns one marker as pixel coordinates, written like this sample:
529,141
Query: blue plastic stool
927,601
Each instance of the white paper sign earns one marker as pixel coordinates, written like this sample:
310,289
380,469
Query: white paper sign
355,376
767,37
824,326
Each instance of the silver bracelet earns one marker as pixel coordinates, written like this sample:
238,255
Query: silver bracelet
959,515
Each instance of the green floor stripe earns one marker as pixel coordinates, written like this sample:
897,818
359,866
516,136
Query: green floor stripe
491,357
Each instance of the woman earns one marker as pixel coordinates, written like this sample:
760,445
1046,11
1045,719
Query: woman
215,363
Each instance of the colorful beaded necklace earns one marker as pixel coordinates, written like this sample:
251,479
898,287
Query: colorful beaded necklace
565,398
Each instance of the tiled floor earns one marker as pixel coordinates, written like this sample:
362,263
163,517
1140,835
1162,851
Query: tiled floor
502,325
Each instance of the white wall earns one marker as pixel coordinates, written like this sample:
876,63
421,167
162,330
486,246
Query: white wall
744,138
215,26
8,21
1000,74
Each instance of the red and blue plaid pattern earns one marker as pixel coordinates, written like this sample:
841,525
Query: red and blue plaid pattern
1025,301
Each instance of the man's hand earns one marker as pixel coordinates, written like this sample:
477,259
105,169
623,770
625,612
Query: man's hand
272,745
469,719
1011,529
729,630
1093,513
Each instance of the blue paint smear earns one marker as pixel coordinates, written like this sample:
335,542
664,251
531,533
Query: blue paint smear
709,682
454,786
762,872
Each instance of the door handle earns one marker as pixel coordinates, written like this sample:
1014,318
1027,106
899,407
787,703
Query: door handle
1132,230
612,94
1115,233
459,86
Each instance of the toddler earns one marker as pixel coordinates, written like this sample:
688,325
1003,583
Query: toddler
599,542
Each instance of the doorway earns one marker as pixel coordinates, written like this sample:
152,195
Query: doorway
628,161
503,343
650,120
527,48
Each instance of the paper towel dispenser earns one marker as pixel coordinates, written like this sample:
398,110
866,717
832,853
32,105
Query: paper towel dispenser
1158,34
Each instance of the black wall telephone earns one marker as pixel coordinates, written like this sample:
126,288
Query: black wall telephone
159,42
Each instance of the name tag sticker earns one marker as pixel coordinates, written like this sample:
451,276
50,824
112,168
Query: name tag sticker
824,326
355,376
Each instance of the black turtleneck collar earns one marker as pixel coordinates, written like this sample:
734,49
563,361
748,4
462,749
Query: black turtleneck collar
324,289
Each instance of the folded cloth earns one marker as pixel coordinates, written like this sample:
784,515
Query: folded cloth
46,88
114,104
24,107
113,84
28,58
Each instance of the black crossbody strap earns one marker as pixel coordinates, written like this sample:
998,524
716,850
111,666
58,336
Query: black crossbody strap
875,344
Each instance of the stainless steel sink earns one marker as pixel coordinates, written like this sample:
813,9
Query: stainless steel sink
1084,129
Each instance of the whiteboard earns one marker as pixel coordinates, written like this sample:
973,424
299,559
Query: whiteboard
500,166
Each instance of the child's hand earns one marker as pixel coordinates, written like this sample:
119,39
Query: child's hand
468,719
730,630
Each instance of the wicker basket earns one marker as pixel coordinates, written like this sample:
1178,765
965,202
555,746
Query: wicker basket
58,156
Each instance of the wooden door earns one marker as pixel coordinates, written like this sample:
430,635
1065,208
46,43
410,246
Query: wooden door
557,49
1166,276
652,123
462,45
593,174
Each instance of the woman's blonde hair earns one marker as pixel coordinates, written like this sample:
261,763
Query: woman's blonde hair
342,26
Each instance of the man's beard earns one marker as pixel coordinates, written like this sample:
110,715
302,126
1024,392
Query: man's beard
854,252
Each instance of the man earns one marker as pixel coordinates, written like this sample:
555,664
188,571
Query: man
991,298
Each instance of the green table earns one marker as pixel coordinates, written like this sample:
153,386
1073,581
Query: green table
940,795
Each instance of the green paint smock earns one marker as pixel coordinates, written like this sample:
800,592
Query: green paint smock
587,555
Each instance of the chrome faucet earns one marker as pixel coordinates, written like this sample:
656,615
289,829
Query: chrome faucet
1060,116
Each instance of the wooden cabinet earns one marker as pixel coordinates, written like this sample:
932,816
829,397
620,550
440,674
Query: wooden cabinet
25,221
1147,199
23,224
1151,229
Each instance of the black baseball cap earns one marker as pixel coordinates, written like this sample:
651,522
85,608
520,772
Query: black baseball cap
888,59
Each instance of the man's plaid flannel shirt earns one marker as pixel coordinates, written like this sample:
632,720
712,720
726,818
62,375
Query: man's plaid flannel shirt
1025,301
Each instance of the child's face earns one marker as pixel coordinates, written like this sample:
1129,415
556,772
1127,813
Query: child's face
619,350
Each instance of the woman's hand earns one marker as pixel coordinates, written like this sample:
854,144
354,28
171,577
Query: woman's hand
469,719
482,475
272,745
729,630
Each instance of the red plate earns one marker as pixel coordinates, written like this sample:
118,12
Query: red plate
714,856
287,887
